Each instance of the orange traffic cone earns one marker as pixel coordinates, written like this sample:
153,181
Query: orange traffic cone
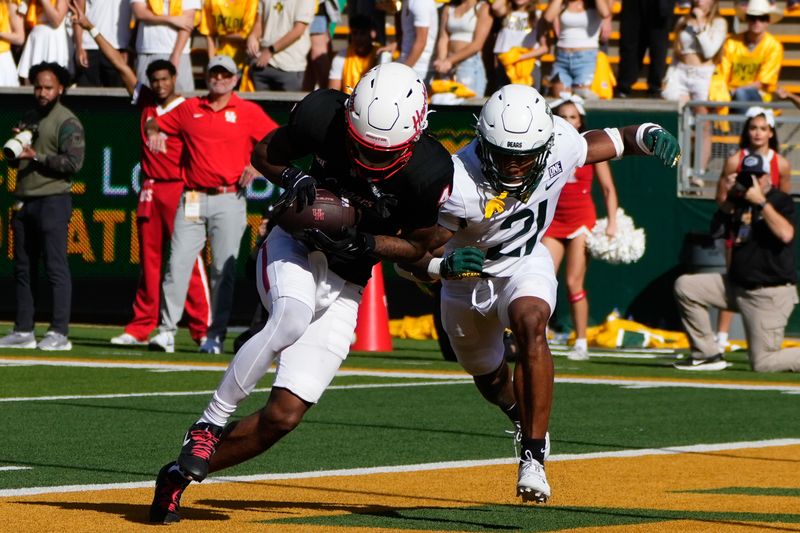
372,328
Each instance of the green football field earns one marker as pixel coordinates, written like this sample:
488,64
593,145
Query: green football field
400,441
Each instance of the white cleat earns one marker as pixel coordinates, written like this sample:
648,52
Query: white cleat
532,483
126,339
163,342
578,353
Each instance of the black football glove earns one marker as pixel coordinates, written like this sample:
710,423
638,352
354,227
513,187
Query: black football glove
297,185
462,263
353,245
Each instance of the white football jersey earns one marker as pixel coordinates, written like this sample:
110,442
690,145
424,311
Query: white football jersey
508,236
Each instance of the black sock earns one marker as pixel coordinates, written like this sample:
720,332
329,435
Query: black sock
535,447
511,412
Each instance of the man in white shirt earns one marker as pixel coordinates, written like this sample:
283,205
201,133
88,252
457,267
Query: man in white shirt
165,36
279,43
112,18
419,22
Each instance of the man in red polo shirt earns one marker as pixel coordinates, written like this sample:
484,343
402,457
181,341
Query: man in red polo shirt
161,188
219,131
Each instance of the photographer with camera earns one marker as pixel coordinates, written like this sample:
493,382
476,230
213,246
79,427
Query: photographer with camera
48,149
760,282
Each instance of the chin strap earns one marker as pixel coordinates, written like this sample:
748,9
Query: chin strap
495,205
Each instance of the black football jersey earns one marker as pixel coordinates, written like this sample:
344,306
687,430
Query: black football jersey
408,200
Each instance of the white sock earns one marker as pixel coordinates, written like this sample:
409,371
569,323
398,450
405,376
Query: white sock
581,344
722,338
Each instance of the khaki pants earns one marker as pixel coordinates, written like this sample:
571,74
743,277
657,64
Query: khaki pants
765,312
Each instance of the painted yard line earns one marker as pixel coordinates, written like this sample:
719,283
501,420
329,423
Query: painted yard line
697,448
651,383
438,375
615,355
8,468
220,367
210,392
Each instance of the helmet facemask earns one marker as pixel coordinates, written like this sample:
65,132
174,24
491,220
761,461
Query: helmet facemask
515,172
374,162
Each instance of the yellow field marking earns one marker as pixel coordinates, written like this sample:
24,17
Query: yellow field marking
616,484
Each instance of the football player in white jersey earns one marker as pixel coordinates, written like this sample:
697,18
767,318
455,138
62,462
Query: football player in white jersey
505,188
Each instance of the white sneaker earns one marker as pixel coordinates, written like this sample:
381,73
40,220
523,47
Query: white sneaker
163,342
126,339
532,483
578,353
18,339
54,342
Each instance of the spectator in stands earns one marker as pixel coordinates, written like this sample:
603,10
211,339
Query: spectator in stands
759,136
376,10
419,27
12,32
578,23
760,281
47,41
111,18
644,27
751,61
226,26
350,64
319,58
463,30
164,32
698,44
219,131
161,188
522,38
48,158
279,44
574,218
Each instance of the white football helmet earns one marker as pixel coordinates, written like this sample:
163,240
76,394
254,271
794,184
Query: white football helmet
515,135
386,114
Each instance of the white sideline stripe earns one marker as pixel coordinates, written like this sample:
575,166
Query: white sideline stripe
647,384
696,448
209,392
7,468
221,367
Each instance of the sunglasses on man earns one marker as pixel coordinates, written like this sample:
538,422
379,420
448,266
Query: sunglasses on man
757,18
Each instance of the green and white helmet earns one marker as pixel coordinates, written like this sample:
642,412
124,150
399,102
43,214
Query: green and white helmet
515,135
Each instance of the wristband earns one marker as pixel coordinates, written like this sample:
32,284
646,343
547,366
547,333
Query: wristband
271,49
94,32
763,204
435,268
643,130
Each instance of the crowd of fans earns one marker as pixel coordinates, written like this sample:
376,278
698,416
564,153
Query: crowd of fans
462,47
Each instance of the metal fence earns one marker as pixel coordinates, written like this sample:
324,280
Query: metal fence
697,178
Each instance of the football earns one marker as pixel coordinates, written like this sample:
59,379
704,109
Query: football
329,213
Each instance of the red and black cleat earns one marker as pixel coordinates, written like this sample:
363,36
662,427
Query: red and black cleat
199,445
170,485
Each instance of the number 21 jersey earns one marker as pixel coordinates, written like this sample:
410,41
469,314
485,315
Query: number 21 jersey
509,235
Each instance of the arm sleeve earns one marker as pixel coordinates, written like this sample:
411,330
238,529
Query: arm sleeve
260,123
771,67
421,14
713,37
304,11
171,123
71,149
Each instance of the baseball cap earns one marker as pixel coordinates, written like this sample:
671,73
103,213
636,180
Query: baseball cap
753,164
224,62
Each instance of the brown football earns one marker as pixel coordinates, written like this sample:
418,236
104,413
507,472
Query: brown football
329,213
